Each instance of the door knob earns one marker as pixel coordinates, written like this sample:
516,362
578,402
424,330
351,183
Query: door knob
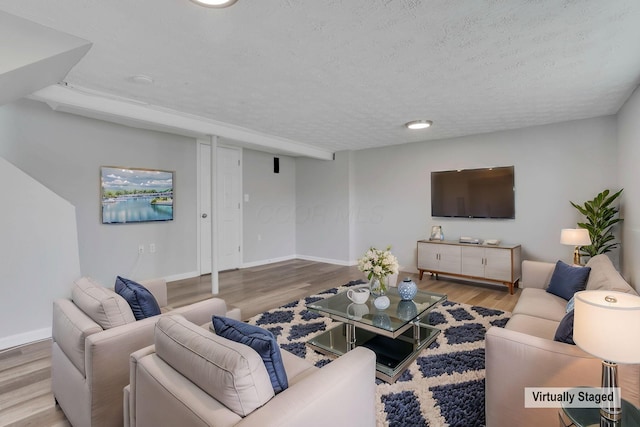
204,215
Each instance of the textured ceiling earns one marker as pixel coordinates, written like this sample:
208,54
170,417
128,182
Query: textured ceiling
347,74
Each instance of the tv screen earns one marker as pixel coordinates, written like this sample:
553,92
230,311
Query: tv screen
473,193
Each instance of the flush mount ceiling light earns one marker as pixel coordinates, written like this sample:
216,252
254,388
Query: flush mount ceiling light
214,3
418,124
141,79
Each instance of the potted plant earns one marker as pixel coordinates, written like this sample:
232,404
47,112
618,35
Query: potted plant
600,218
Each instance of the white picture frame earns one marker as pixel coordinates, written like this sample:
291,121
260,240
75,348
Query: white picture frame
436,233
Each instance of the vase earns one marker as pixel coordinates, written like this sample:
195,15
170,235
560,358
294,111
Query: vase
378,285
407,289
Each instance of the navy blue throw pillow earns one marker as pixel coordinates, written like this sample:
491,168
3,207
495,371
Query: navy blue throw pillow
564,333
566,280
261,340
142,302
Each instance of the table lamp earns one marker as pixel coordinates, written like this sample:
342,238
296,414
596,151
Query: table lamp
575,237
607,326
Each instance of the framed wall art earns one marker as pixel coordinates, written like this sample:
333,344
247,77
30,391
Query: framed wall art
130,195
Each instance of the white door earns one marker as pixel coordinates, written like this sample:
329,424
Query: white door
228,196
229,188
205,208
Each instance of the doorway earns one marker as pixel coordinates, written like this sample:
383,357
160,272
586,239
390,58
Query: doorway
228,210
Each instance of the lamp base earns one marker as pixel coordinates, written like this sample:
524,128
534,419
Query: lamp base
576,256
609,411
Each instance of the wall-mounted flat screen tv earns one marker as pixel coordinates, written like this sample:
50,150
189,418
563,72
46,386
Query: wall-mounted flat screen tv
474,193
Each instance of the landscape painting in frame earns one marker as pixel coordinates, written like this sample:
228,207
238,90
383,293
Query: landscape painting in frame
132,195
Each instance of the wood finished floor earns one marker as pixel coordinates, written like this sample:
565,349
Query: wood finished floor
25,371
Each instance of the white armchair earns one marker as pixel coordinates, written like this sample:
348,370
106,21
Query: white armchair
90,364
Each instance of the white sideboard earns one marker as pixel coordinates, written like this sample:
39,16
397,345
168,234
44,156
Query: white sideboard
487,263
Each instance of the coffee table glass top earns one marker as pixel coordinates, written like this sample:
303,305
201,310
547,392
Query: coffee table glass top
395,317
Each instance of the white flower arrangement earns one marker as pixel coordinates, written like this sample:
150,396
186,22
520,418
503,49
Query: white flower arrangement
378,264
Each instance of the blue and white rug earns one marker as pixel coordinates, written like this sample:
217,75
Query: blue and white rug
444,386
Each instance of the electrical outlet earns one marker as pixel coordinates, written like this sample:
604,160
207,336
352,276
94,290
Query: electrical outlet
140,249
152,248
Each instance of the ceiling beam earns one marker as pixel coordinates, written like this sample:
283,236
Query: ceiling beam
131,113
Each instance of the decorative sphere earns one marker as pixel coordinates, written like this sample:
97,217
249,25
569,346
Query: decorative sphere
382,302
407,289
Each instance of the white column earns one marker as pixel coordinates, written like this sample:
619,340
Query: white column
214,217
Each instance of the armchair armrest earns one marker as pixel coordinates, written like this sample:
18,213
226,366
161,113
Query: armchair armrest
338,392
201,312
107,364
70,328
514,360
536,274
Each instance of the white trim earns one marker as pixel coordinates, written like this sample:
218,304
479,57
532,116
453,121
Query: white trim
181,276
327,260
25,338
267,261
129,112
199,143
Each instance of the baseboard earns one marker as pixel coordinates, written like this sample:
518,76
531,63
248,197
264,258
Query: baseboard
327,260
181,276
25,338
267,261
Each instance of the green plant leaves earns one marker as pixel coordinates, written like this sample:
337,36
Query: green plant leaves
600,217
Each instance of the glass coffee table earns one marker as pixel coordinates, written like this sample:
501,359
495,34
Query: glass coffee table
396,334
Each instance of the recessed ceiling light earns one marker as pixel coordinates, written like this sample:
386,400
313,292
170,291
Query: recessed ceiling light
214,3
419,124
142,79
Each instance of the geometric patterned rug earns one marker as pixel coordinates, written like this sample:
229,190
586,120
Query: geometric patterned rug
444,386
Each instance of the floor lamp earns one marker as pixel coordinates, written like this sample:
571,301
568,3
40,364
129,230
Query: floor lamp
607,326
575,237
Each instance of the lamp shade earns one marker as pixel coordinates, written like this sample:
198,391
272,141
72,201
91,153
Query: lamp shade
575,237
607,325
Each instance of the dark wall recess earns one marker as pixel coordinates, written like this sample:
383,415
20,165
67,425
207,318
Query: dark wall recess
276,165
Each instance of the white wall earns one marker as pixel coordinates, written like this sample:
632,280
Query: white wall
323,208
39,254
269,216
629,175
65,152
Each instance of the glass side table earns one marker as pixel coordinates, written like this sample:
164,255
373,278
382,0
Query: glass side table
590,417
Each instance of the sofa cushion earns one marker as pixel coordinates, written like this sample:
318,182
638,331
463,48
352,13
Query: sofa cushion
605,276
531,325
230,372
102,305
261,340
564,333
142,302
540,303
566,280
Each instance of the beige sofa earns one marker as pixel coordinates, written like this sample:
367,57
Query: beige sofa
524,354
90,354
192,377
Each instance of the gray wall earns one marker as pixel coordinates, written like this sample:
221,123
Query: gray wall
323,208
628,163
65,152
553,165
269,215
